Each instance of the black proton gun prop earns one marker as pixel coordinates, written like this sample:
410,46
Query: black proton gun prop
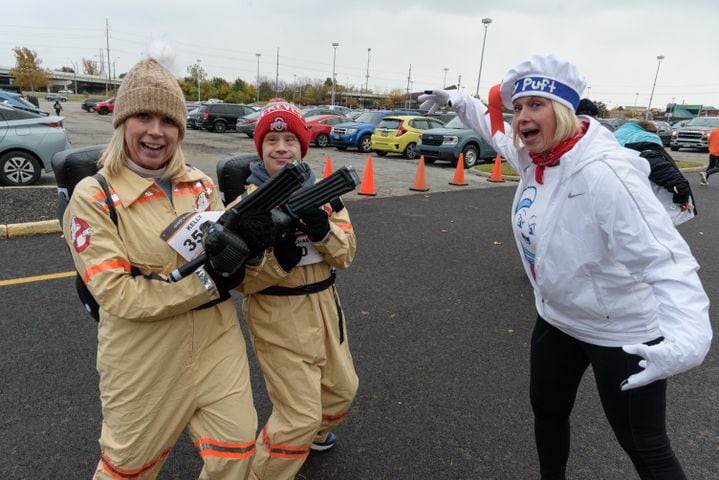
270,194
284,214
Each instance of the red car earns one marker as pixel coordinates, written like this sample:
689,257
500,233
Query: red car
105,107
320,126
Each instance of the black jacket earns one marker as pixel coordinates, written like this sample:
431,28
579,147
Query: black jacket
664,171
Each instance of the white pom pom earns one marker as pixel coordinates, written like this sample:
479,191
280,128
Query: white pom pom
161,52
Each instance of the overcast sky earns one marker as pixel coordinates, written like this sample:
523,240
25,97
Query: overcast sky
614,43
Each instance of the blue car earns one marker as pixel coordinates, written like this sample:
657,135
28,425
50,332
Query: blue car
16,100
358,134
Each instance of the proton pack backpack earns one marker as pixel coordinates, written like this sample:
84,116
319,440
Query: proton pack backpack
71,166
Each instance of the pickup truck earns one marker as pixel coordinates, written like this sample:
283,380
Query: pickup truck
695,134
358,134
105,107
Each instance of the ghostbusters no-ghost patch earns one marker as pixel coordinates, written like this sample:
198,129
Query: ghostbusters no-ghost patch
81,233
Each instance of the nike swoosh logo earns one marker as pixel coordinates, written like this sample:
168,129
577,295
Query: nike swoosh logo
572,195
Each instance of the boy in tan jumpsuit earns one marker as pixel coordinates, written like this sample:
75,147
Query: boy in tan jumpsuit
298,328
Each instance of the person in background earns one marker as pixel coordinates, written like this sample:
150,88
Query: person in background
615,285
713,166
299,331
642,137
57,107
169,355
587,107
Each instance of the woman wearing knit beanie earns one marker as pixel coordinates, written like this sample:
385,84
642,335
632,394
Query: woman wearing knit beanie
170,355
615,285
293,310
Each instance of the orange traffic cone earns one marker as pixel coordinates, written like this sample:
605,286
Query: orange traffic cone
458,179
367,185
497,171
328,167
420,184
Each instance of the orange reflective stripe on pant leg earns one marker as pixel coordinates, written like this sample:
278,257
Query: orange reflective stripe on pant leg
213,448
334,418
283,451
123,474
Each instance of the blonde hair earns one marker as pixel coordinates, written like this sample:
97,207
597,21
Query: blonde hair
567,124
115,156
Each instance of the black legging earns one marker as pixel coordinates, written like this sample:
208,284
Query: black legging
713,166
637,416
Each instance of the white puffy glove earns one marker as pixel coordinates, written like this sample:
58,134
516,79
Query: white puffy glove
434,99
660,361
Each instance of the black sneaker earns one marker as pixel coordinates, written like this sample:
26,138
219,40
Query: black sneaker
326,445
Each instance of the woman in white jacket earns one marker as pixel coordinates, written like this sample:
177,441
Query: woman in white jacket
615,285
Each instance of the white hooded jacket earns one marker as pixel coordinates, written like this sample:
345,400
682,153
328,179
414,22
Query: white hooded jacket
610,267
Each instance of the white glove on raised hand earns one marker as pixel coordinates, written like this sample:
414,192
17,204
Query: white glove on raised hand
660,361
434,99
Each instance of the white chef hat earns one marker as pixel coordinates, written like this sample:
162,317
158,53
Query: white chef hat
543,76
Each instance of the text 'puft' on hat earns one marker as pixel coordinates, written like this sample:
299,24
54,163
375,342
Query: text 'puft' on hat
282,117
544,76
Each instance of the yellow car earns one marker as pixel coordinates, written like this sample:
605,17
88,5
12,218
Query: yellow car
400,134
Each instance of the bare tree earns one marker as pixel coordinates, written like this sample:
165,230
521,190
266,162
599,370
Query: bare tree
90,67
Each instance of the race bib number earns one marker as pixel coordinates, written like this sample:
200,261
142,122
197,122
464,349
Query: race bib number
310,254
184,235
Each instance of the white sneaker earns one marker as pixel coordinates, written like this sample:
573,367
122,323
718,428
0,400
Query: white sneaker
703,180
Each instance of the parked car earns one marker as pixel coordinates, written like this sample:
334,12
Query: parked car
105,107
401,134
219,117
27,143
193,117
320,127
247,124
695,134
53,97
325,110
664,130
89,104
358,134
66,92
455,138
16,100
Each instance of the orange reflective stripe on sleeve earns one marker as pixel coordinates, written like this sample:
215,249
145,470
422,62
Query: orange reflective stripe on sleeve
101,267
283,451
101,200
345,226
213,448
124,474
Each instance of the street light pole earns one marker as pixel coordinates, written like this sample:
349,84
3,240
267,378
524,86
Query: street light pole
636,96
199,76
486,22
649,107
334,58
444,84
366,84
294,86
258,77
74,69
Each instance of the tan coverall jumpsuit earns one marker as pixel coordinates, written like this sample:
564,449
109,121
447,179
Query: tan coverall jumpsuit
163,364
302,347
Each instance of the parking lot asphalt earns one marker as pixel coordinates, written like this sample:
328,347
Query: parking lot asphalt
439,318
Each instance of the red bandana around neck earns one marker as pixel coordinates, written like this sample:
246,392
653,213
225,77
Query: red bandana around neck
552,158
